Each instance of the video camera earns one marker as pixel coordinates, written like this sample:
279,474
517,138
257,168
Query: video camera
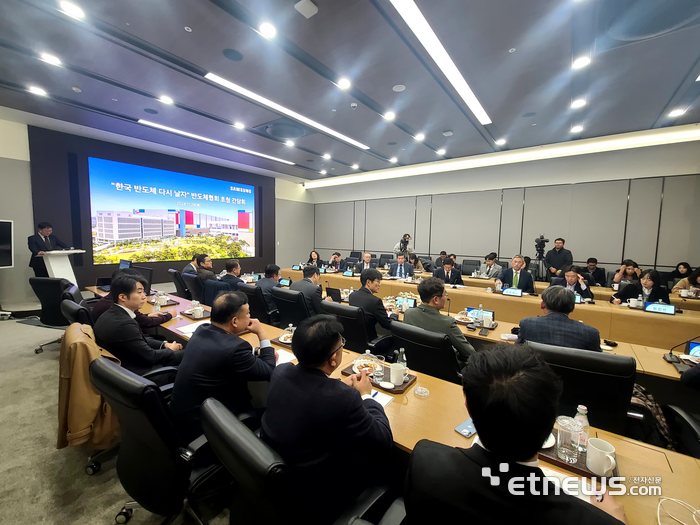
540,243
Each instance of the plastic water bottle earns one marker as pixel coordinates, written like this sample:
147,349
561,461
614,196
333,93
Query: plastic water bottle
480,313
351,290
403,361
156,305
640,302
582,416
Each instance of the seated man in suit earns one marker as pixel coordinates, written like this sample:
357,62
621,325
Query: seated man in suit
42,242
337,263
505,387
365,264
310,289
441,259
401,268
491,268
117,331
143,320
516,276
233,270
598,274
219,364
574,281
191,267
204,268
372,306
324,428
448,273
267,283
427,316
555,327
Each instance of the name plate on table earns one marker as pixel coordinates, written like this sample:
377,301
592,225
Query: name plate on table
515,292
660,308
347,273
285,282
296,267
322,270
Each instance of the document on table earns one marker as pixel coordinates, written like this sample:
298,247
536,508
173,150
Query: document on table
285,357
190,328
381,398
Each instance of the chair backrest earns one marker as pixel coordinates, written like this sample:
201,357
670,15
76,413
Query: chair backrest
72,293
468,266
334,293
353,320
392,261
534,270
427,352
212,289
373,255
357,255
609,280
374,261
180,286
504,264
291,305
427,263
666,279
50,290
385,258
352,260
194,285
261,473
602,382
256,302
149,465
74,313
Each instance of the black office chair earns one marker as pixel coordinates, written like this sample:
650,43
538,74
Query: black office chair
258,306
355,330
428,352
180,286
534,270
154,465
352,261
609,279
266,486
50,290
471,262
291,305
505,264
384,258
468,266
601,382
427,263
666,279
685,430
212,289
194,285
374,261
356,255
75,313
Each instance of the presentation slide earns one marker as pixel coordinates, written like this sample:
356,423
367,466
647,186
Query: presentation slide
148,215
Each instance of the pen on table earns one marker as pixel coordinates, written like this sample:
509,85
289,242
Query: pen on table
375,393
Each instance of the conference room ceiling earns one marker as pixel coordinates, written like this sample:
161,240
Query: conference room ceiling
516,56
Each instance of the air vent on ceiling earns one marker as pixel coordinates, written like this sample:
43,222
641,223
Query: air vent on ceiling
285,129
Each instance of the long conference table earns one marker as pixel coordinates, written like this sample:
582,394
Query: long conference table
435,418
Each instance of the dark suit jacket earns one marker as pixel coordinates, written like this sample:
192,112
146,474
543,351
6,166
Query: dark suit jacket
438,262
599,276
632,291
446,485
561,281
219,365
455,275
232,281
557,329
144,321
312,294
36,244
205,275
267,284
558,260
339,266
120,335
373,308
525,282
320,427
407,268
189,269
361,266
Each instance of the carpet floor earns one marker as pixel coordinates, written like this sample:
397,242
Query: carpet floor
38,483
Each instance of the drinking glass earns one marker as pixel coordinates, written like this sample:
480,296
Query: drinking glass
568,433
379,372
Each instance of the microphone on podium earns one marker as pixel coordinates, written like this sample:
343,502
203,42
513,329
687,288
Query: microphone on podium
670,358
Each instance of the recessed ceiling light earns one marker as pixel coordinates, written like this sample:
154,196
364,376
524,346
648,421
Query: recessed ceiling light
212,141
389,115
50,59
77,89
447,133
343,83
281,109
398,88
267,30
326,156
511,50
419,25
323,172
577,129
441,151
289,143
581,62
166,99
676,113
420,136
393,159
354,166
238,125
187,28
500,142
578,103
37,91
72,10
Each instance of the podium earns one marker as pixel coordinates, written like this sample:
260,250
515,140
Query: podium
58,264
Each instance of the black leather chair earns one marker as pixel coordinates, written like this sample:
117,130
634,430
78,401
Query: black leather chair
154,465
351,261
374,261
685,430
180,286
609,279
212,289
427,263
50,290
384,258
265,482
355,330
666,279
428,352
74,313
194,285
356,255
469,265
602,382
258,306
291,305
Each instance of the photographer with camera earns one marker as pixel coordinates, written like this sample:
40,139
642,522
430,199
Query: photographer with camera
558,258
403,247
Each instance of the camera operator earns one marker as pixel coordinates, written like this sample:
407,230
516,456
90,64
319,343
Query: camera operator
558,258
403,247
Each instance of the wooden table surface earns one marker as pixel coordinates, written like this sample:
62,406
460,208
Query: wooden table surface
435,418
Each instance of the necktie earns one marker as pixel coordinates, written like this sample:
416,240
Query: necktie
447,277
515,279
47,242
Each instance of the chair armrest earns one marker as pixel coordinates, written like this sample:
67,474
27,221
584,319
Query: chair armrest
379,339
190,450
160,371
250,419
692,421
396,513
364,502
167,390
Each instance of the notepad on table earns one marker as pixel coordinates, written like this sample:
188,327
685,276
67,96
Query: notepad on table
284,357
381,398
190,328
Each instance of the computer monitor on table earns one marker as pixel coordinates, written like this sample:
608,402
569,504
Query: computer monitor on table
124,264
147,274
693,348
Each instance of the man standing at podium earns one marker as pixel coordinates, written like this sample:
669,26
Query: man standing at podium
39,244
